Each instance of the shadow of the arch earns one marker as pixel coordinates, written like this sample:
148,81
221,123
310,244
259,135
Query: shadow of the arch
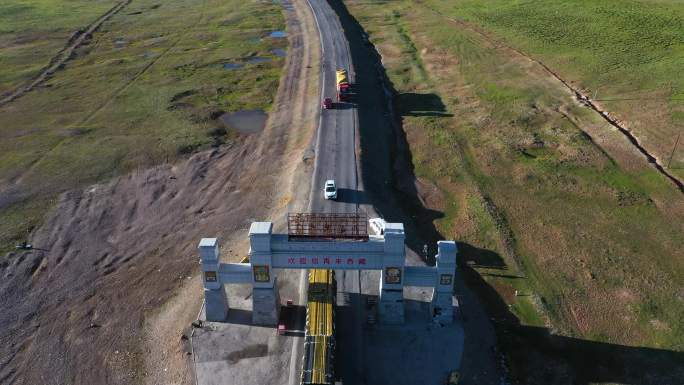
415,104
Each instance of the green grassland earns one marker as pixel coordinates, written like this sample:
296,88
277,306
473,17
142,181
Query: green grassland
146,89
32,31
591,245
626,53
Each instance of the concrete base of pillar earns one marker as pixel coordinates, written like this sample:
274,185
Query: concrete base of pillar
391,307
442,307
216,304
265,306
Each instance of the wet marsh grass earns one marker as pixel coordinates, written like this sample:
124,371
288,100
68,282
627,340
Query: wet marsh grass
145,90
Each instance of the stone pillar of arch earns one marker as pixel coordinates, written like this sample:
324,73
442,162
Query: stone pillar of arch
265,296
442,301
391,303
215,299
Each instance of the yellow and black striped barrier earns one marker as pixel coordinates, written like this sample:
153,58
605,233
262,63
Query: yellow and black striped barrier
319,338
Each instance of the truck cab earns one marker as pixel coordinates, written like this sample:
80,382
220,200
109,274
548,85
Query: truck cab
342,84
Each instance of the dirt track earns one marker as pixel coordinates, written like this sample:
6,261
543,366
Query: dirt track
63,55
109,258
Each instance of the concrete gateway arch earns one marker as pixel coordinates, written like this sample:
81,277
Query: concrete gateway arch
328,241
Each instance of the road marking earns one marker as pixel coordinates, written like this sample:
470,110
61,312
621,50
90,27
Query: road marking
302,274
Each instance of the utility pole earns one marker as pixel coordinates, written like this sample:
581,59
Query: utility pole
674,148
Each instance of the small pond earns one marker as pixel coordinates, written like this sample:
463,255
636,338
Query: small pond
278,34
232,66
246,121
279,52
258,59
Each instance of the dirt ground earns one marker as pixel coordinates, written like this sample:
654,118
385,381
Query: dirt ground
95,301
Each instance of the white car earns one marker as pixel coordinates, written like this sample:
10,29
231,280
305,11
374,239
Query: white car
330,190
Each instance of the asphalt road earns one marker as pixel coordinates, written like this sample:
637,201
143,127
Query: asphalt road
336,137
365,185
336,159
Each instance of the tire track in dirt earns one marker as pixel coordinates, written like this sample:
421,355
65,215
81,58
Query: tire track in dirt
63,55
579,95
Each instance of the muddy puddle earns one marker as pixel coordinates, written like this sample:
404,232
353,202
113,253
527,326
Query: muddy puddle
278,34
258,59
232,66
280,52
245,122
